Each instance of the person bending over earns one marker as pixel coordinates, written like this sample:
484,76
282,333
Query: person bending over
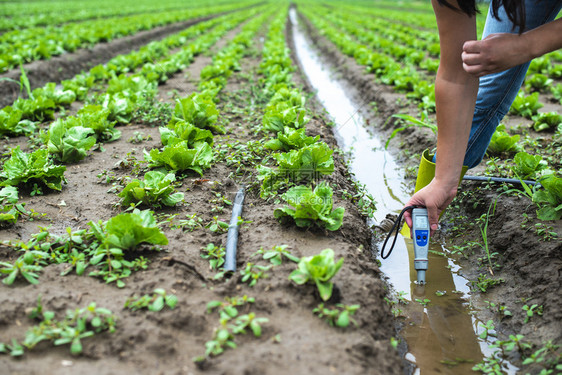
477,81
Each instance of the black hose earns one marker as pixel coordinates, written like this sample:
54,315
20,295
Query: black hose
499,179
232,236
397,227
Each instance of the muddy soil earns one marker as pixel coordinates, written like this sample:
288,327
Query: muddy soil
294,340
527,260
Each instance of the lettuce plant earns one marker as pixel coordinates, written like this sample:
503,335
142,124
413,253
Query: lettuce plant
527,166
178,157
128,230
503,142
318,269
61,97
69,145
302,165
311,207
549,198
133,87
290,139
35,109
537,82
556,91
119,105
293,98
184,131
97,118
540,65
282,115
199,110
36,167
10,209
547,121
155,190
526,106
11,123
555,71
312,159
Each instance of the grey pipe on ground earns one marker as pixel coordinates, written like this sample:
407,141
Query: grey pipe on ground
233,229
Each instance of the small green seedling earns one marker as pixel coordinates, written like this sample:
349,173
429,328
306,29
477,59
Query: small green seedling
155,302
250,321
227,309
217,226
489,329
424,302
499,308
26,266
222,339
531,310
276,254
340,316
484,283
253,272
215,255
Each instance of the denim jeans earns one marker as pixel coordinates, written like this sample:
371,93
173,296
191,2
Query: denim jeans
497,91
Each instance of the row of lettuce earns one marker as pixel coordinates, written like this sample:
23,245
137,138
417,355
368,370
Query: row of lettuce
39,43
401,57
17,15
293,163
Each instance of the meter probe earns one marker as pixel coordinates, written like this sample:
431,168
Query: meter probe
421,230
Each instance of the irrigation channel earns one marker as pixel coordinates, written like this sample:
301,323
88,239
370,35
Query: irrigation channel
442,334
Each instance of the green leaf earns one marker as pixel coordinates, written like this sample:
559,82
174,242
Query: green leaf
171,301
256,328
343,319
526,165
157,305
76,346
324,289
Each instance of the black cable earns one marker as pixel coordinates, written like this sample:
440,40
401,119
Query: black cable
499,179
397,226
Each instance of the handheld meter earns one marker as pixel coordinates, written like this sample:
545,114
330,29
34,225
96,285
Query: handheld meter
420,229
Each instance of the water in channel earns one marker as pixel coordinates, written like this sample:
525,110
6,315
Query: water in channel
442,334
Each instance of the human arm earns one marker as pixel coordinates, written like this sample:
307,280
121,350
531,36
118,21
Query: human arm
501,51
455,98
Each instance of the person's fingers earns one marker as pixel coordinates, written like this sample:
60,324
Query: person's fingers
472,46
433,217
477,70
471,58
472,69
408,218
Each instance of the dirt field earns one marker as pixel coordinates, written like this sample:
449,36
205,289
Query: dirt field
293,340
